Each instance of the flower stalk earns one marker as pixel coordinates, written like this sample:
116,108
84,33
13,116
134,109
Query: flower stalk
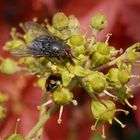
41,122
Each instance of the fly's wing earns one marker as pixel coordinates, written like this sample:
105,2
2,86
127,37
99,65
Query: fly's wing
26,51
34,29
22,51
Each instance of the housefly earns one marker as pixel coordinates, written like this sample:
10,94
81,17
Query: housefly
52,82
44,44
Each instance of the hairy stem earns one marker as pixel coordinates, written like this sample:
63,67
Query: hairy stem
41,122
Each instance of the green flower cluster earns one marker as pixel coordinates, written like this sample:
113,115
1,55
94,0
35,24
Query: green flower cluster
90,56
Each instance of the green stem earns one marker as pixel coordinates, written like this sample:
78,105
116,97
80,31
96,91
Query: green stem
42,112
113,62
41,123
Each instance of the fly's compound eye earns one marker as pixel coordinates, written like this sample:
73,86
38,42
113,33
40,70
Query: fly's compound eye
53,82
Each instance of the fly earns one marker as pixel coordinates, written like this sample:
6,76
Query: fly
44,44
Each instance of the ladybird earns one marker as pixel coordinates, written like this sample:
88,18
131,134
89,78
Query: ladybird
52,82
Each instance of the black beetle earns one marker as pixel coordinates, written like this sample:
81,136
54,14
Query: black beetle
52,82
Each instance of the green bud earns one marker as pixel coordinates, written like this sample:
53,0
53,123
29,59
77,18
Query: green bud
133,53
113,75
103,48
41,83
66,78
119,76
65,34
54,31
9,66
123,76
121,93
73,22
28,38
99,21
132,56
77,40
121,65
80,71
60,21
2,113
78,51
13,44
14,137
104,111
27,60
95,82
98,59
62,96
81,59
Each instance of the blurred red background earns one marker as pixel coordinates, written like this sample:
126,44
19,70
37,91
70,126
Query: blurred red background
123,22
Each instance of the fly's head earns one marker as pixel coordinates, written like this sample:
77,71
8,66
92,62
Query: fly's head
67,54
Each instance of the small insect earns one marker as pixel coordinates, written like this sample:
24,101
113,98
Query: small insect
44,44
52,82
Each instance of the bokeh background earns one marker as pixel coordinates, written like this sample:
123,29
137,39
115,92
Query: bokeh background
123,22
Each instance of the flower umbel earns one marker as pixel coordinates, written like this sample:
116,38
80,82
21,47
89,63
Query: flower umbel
63,49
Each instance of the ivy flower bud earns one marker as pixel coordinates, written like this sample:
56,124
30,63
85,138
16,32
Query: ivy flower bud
62,96
13,44
133,53
41,83
99,21
80,71
54,31
123,76
26,60
113,75
132,56
121,93
9,66
104,111
73,22
123,96
66,78
60,21
119,76
2,113
95,82
14,137
103,48
77,43
98,59
77,40
102,53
